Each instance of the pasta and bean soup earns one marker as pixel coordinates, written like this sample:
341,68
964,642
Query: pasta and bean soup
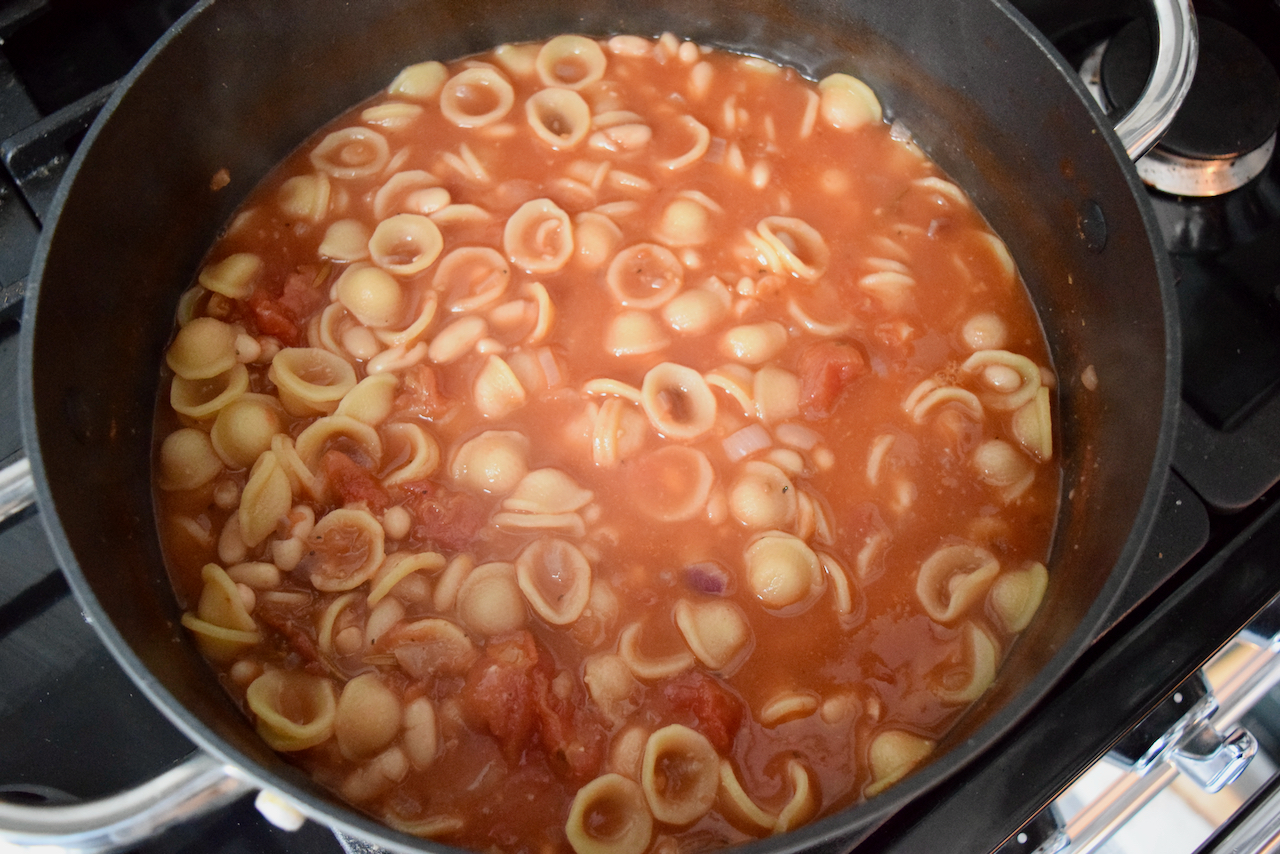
609,445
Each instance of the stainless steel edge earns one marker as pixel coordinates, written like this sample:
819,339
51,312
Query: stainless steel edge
200,784
1175,65
17,488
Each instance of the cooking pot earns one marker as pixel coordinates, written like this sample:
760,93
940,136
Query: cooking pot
237,84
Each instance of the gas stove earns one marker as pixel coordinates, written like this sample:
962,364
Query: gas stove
1207,573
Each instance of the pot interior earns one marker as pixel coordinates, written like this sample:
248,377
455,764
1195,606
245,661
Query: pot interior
239,84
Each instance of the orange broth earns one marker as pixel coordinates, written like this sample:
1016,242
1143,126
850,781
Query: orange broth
877,475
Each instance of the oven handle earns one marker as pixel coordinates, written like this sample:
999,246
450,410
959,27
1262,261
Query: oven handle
198,785
1177,46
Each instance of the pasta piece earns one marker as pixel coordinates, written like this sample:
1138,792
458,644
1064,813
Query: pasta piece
346,240
804,802
569,524
267,498
737,806
547,491
892,755
678,402
1016,596
310,381
355,152
413,191
684,222
647,666
597,238
953,579
645,275
787,706
775,392
971,681
346,548
609,816
367,717
1004,395
234,276
306,197
355,437
754,343
221,607
204,399
476,97
840,581
1005,467
419,82
793,246
716,631
673,483
959,398
392,116
1032,426
293,709
892,289
538,237
497,389
398,567
472,278
763,497
430,647
847,103
573,62
634,333
610,686
493,462
333,622
680,775
558,116
697,148
418,450
490,601
405,244
188,460
371,401
555,578
617,433
245,428
782,570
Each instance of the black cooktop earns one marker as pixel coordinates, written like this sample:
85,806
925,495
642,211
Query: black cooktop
75,727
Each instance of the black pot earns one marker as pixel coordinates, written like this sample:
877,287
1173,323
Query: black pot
239,83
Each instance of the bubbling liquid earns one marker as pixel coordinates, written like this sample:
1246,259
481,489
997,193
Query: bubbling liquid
609,445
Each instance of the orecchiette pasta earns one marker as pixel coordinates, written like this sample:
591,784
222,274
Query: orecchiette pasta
614,446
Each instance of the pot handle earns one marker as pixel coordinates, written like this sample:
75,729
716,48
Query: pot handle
198,785
1177,46
17,489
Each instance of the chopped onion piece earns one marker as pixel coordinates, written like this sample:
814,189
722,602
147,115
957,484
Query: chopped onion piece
746,442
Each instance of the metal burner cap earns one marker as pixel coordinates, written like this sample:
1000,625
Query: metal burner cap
1225,132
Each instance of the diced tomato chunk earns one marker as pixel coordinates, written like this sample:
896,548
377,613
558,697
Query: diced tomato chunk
826,369
715,712
440,516
420,392
510,690
281,316
348,483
